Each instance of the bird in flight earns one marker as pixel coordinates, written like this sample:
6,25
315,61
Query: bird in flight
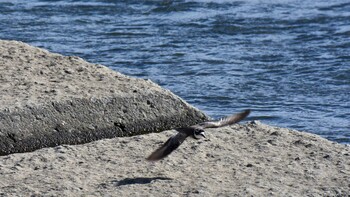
196,132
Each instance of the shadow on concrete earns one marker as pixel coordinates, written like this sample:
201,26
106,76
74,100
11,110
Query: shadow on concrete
138,180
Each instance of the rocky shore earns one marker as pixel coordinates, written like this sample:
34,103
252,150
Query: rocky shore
49,103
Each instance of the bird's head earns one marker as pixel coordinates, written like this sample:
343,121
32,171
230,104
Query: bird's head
198,133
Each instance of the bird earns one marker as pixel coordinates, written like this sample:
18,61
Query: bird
194,131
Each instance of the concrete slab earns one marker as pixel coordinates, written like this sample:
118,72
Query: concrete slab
47,99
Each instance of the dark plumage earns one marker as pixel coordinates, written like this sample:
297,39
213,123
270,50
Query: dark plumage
196,132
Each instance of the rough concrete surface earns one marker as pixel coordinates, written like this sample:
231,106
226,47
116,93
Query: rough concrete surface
47,99
252,159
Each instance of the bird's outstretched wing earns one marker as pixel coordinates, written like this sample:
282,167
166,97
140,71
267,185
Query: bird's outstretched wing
225,121
169,146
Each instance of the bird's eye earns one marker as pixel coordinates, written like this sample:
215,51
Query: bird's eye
198,131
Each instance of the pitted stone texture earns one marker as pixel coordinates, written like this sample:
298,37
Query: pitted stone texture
47,99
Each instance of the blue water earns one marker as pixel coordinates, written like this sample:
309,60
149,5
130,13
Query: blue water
289,61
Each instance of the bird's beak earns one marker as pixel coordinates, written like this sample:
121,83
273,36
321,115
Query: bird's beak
202,134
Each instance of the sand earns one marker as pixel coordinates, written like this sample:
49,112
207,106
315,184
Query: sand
251,159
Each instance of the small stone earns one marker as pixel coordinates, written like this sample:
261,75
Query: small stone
68,71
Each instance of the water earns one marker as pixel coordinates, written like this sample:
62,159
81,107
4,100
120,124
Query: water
289,61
